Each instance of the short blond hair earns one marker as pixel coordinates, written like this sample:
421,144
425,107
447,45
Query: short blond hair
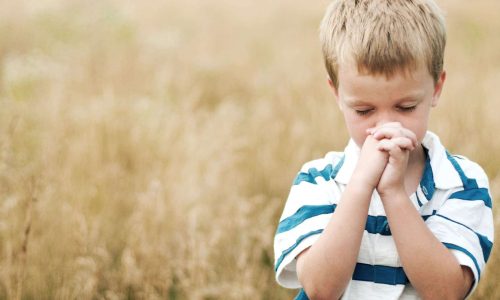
383,36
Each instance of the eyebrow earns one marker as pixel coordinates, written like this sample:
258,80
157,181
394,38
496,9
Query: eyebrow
416,97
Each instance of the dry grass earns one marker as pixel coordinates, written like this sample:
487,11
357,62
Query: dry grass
146,150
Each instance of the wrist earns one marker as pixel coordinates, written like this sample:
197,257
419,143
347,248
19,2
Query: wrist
364,179
360,188
359,196
392,193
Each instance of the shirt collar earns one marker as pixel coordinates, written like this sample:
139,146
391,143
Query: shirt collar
351,156
439,172
445,176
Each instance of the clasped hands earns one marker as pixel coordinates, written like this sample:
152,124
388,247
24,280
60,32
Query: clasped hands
384,157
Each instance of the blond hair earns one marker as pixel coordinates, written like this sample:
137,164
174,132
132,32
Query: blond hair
383,36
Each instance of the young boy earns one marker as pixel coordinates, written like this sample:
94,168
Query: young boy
394,216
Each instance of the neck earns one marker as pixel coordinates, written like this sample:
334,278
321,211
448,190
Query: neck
417,157
415,169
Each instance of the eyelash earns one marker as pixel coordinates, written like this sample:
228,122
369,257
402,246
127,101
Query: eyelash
408,109
363,112
403,109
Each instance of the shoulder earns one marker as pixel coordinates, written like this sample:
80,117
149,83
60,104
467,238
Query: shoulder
325,168
475,186
451,172
469,169
330,159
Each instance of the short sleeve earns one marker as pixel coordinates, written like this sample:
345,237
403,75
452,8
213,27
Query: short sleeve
308,209
464,224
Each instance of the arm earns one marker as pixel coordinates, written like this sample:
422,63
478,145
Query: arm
432,269
436,275
322,274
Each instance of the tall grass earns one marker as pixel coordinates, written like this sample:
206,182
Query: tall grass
147,148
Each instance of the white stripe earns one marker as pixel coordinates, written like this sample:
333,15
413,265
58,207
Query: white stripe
285,240
371,290
473,214
449,232
310,194
465,260
386,254
286,274
473,170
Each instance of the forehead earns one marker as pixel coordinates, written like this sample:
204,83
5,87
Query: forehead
359,85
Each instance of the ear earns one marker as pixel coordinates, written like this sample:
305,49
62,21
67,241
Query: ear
332,86
438,88
335,92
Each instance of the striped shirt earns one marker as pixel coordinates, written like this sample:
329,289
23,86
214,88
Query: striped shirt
453,199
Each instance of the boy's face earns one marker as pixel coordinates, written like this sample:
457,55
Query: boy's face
372,100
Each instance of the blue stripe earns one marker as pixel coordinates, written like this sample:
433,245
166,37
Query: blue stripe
485,243
473,195
374,224
302,214
455,247
467,182
427,182
303,177
371,273
301,295
418,200
379,274
299,240
380,225
486,246
427,216
312,173
337,167
377,225
327,173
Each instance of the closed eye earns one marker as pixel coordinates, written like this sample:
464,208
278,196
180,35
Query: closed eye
407,108
363,112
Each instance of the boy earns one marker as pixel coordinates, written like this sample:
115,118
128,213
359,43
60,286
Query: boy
394,216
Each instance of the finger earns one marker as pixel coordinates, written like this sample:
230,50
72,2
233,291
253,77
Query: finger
391,147
387,125
390,124
404,143
390,129
386,145
388,132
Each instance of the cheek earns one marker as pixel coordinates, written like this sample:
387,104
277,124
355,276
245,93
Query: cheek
357,128
418,126
421,133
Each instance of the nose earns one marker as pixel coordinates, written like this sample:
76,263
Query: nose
385,117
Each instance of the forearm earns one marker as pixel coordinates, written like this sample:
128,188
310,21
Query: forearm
327,266
431,268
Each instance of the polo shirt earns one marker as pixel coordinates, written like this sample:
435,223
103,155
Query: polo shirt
453,199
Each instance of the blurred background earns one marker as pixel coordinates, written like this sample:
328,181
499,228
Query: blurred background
147,147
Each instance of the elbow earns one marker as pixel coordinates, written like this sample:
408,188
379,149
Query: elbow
318,292
318,286
313,290
458,288
443,294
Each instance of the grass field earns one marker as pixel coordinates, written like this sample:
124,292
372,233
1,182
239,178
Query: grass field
147,148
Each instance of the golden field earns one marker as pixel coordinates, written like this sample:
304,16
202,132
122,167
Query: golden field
147,148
